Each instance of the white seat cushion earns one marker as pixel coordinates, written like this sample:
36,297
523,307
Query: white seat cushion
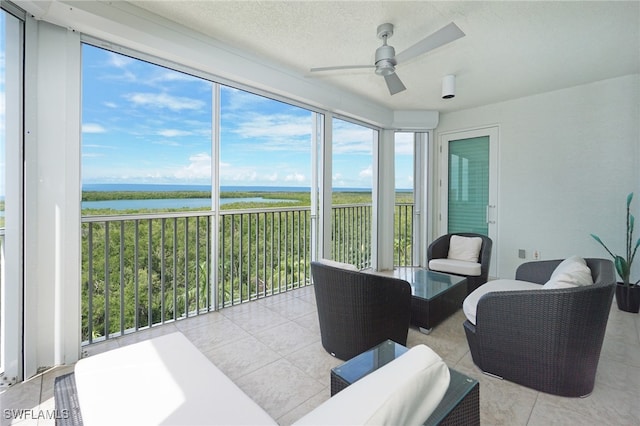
336,264
165,380
404,392
470,304
458,267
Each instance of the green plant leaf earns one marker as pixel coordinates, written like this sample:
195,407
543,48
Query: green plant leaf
629,198
622,268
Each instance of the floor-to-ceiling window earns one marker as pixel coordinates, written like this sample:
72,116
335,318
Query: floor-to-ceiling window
196,195
403,240
11,112
352,184
146,168
265,181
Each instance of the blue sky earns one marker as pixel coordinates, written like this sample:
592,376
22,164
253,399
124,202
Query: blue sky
142,123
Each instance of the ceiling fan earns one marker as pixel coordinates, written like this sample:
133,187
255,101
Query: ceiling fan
386,58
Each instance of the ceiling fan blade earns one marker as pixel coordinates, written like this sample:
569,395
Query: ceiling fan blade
444,35
341,67
394,83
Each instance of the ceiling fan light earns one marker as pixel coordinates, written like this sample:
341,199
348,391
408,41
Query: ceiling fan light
385,67
448,86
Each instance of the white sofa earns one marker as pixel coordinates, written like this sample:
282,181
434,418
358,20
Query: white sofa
167,380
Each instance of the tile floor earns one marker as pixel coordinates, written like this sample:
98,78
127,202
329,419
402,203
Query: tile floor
271,349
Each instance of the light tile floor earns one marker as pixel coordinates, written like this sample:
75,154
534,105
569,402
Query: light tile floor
271,349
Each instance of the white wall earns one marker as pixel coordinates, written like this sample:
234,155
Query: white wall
567,160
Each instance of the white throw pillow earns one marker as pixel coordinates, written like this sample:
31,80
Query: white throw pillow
464,248
572,271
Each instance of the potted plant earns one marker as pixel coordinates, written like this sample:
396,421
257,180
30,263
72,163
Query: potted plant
627,292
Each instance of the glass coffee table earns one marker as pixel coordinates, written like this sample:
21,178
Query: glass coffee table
460,404
434,295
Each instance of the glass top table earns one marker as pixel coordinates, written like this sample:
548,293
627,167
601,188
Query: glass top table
460,404
427,284
434,295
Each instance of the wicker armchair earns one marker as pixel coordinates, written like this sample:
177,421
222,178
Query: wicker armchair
359,310
548,340
439,249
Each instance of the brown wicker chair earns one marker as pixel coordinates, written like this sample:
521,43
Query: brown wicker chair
359,310
439,249
548,340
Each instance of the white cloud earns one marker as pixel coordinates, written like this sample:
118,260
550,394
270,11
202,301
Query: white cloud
171,133
352,139
119,61
404,143
366,173
275,132
199,167
93,128
162,100
295,177
166,143
275,126
240,100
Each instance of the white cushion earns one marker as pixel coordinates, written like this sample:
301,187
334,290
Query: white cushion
464,248
459,267
551,284
336,264
165,380
571,272
404,392
470,304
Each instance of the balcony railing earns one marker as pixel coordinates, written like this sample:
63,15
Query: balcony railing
139,271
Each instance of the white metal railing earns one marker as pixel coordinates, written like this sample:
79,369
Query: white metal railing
143,270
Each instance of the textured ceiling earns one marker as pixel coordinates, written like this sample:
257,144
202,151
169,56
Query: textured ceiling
511,49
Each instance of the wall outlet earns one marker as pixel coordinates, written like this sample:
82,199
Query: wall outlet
536,254
522,253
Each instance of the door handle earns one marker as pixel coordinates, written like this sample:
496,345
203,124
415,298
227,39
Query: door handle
488,214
